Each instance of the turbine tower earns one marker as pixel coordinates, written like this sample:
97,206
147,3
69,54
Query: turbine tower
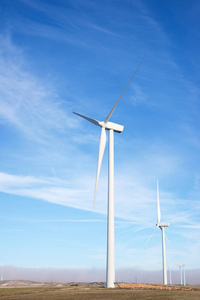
180,268
162,226
184,278
170,275
111,127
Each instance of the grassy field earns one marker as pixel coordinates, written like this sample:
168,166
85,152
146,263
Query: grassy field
94,293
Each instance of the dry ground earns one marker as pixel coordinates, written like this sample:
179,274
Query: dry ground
88,292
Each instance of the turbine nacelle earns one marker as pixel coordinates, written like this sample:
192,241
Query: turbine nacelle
104,124
111,126
162,224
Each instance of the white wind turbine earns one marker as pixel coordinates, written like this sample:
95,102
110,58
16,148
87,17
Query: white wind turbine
180,268
162,226
111,127
184,278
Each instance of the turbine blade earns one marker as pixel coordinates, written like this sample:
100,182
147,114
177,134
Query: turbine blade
108,117
150,237
158,205
87,118
102,145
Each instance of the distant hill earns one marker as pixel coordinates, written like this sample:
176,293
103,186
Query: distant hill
76,285
29,283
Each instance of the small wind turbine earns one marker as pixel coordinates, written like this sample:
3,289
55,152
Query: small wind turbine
184,279
162,228
180,268
111,127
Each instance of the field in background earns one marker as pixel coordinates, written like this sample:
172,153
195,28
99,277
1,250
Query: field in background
60,291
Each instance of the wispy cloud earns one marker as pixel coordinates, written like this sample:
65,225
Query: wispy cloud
50,32
66,25
50,190
27,104
190,226
139,203
54,154
138,96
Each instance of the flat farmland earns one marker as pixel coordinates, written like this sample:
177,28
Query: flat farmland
123,292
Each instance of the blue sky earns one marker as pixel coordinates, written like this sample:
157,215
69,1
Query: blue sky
65,56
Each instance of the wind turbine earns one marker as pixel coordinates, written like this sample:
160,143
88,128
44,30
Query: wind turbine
162,226
111,127
180,268
184,279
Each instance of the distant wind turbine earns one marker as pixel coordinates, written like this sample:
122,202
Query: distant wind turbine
184,278
111,127
180,268
162,228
